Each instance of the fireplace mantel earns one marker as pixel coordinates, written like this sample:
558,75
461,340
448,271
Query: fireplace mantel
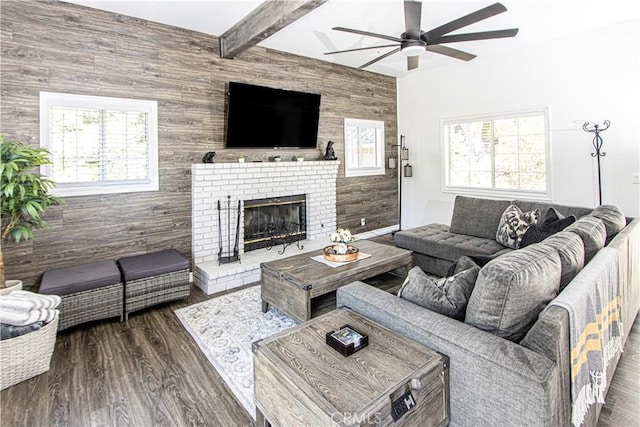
245,181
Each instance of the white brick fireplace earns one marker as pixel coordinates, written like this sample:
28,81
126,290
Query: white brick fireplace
246,181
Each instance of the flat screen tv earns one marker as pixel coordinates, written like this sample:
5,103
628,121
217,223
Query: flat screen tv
263,117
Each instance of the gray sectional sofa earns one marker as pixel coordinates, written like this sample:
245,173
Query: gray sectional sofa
518,372
472,232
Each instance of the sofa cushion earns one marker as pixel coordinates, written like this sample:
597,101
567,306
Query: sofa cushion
447,296
513,224
512,289
592,232
527,205
613,219
437,241
477,217
571,250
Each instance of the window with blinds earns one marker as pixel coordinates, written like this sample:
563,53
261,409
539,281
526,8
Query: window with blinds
499,154
99,145
364,147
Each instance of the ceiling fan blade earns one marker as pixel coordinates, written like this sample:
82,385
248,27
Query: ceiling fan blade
367,33
412,16
475,36
379,58
412,62
361,48
469,19
448,51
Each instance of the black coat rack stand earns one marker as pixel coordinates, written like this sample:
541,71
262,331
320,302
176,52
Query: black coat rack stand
597,145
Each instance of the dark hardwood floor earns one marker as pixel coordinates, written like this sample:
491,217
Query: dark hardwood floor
149,372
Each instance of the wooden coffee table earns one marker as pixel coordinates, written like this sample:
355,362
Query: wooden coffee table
291,283
302,381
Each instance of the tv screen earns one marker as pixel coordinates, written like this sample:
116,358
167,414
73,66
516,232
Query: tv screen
262,117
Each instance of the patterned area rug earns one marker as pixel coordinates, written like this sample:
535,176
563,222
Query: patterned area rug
224,329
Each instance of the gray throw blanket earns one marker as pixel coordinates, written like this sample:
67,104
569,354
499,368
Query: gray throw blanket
11,331
593,300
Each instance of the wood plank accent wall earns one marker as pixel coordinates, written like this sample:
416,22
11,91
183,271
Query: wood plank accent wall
60,47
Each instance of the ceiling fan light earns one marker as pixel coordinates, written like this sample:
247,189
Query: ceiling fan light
412,50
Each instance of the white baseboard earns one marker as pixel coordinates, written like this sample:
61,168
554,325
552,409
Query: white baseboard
377,232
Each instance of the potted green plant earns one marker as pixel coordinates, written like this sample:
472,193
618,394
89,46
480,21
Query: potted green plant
24,191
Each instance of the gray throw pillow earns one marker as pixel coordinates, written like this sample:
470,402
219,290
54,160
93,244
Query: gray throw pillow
447,296
513,224
612,217
512,290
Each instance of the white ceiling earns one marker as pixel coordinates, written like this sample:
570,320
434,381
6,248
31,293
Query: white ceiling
311,36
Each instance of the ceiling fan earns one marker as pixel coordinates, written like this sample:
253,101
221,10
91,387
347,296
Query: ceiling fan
415,41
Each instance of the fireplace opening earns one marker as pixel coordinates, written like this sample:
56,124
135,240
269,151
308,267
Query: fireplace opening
274,221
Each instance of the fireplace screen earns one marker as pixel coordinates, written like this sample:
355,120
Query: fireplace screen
275,221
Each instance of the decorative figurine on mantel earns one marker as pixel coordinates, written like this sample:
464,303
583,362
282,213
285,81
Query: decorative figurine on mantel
330,154
208,158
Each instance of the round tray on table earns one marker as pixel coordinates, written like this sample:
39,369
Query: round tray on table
329,254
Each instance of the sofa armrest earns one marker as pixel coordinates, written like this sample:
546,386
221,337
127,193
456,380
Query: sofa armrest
492,381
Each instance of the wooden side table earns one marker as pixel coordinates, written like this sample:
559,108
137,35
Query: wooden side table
300,380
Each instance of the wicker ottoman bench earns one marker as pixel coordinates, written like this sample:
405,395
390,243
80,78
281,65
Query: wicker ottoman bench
153,279
89,292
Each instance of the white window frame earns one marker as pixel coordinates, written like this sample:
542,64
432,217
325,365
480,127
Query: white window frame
497,192
51,99
379,168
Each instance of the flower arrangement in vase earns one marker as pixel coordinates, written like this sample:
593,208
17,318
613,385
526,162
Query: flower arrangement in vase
341,250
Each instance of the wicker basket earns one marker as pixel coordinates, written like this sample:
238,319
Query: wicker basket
28,355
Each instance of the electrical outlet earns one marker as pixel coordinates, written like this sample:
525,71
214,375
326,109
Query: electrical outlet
363,222
636,178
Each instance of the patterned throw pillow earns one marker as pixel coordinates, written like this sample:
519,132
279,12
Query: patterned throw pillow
513,224
447,296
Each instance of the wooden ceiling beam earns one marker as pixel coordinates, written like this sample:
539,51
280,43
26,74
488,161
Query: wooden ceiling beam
268,18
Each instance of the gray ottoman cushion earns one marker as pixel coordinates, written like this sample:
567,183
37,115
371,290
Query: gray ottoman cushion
435,240
153,264
477,217
571,250
612,217
69,280
592,232
512,290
